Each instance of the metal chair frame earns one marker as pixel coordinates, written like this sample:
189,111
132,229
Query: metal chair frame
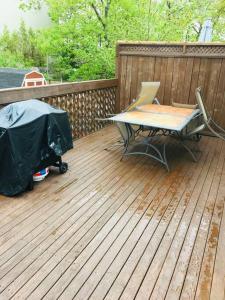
128,135
142,97
207,119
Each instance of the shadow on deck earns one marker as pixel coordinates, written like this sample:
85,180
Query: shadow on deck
110,229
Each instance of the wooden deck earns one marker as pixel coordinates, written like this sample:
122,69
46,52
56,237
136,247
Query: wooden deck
110,229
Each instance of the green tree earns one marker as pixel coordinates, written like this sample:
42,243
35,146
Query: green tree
81,42
20,48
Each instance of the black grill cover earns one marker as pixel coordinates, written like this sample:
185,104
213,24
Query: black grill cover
32,135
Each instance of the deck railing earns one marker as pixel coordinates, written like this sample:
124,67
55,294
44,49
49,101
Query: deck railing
180,68
84,101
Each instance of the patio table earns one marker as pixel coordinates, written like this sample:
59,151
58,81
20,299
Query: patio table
158,116
166,119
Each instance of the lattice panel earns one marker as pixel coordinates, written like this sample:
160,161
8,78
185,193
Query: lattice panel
151,50
173,50
206,50
85,107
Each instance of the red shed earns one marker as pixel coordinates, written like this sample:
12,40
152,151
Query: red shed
34,78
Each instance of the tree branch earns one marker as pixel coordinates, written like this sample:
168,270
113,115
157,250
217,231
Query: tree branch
168,3
107,8
103,20
98,15
197,30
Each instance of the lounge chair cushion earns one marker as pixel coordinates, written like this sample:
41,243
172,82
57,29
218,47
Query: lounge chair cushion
182,105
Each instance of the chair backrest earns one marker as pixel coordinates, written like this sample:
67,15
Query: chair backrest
211,125
201,105
146,96
126,132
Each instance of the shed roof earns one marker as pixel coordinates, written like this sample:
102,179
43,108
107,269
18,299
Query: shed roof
11,77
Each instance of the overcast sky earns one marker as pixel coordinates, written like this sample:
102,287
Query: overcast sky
11,15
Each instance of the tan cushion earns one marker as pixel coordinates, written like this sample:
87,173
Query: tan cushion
182,105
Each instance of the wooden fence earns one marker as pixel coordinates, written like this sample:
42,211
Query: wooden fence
179,67
84,101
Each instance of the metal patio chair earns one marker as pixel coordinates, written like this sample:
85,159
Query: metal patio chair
209,123
147,95
196,126
193,130
202,121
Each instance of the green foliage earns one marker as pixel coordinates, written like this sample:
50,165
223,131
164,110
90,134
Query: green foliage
20,48
80,44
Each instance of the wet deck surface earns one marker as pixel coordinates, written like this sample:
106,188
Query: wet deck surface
109,229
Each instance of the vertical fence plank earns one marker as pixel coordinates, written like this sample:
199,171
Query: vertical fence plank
122,81
157,76
214,68
169,81
134,78
163,67
187,80
175,79
182,72
194,80
127,86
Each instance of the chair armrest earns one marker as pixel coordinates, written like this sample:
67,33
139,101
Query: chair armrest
103,119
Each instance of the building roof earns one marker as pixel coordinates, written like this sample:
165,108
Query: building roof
11,77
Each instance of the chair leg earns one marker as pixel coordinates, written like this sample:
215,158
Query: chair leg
218,127
189,150
219,135
158,155
165,158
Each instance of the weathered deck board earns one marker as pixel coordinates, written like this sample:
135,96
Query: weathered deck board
109,229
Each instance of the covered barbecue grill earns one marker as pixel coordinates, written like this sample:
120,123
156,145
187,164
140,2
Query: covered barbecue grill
33,136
